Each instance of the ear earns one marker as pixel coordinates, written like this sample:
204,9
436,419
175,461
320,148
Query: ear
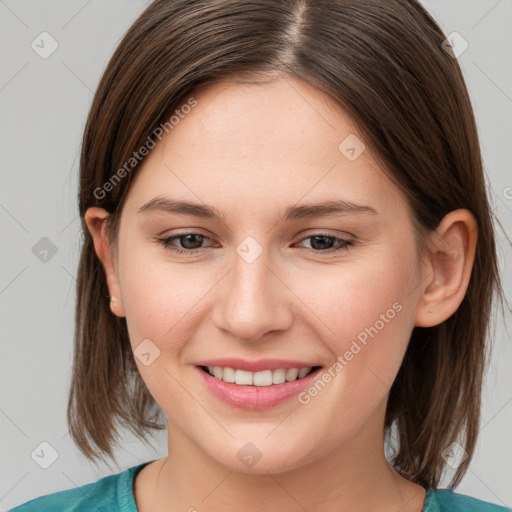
447,269
95,219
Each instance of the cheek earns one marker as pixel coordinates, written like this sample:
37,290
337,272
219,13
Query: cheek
368,307
355,296
161,306
158,297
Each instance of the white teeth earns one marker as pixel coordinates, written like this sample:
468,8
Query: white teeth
228,374
261,378
279,376
303,372
291,374
242,377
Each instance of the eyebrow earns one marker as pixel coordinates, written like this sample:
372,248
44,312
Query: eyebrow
204,211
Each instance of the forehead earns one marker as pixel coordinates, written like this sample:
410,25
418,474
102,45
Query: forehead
271,118
261,145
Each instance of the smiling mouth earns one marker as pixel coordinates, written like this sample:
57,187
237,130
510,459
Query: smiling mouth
262,378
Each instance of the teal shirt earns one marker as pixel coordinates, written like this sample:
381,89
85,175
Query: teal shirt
114,493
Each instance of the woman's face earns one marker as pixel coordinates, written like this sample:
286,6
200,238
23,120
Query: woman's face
273,282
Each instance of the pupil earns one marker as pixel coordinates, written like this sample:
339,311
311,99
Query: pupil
326,241
187,239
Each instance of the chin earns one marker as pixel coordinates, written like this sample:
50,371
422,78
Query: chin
251,460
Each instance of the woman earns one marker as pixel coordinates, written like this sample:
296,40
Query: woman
288,249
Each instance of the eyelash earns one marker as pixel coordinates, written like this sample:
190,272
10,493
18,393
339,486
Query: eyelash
346,243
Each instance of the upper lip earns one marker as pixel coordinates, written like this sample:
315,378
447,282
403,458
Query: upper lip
256,366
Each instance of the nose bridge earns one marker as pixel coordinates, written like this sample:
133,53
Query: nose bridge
253,300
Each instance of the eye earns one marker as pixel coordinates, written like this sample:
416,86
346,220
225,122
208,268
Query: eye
191,243
322,243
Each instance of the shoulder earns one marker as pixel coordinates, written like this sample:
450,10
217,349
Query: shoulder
111,493
446,500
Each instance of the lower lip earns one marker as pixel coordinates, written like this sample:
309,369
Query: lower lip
255,397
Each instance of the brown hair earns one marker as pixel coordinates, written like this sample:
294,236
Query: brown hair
384,63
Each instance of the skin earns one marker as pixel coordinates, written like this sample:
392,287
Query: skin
250,151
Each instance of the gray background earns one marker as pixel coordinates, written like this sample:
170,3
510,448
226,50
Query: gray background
44,103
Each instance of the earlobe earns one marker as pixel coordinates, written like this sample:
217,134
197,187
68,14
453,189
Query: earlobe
116,307
95,219
446,277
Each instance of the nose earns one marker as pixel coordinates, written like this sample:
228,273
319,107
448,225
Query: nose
253,300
